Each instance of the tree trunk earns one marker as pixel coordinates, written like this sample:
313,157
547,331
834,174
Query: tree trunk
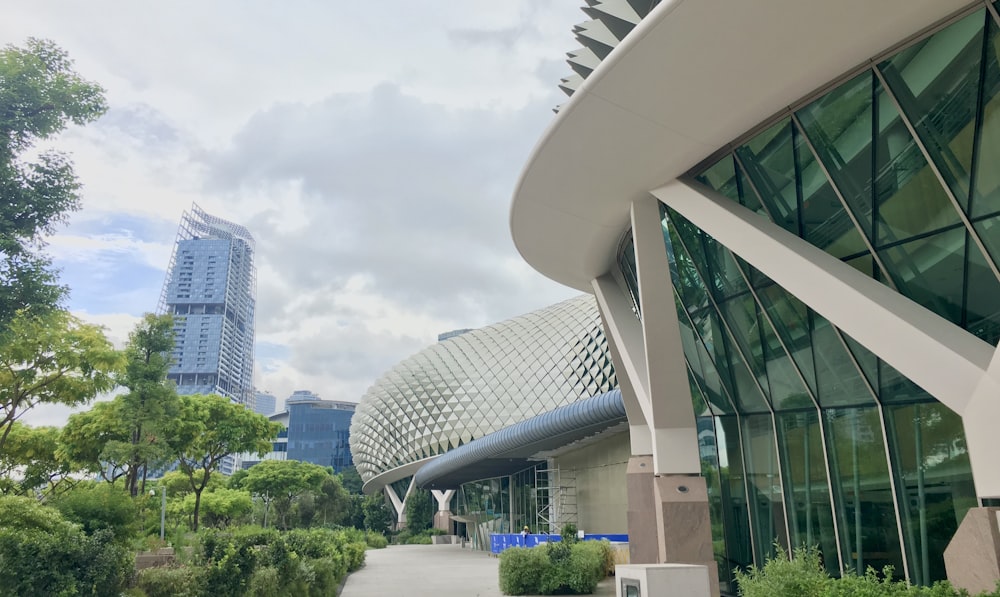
197,507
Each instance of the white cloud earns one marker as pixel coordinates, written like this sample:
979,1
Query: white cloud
371,148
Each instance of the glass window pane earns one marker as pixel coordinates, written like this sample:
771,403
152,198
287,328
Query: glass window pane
825,222
721,177
790,318
840,383
807,494
739,549
937,82
702,367
934,480
864,505
748,196
986,191
909,198
710,470
770,163
930,271
839,125
982,298
764,483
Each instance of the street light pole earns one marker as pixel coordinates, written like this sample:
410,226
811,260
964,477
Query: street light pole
163,509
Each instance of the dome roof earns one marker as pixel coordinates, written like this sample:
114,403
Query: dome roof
479,382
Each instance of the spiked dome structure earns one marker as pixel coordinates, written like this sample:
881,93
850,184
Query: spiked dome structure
479,382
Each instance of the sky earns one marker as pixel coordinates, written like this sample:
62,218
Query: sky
371,148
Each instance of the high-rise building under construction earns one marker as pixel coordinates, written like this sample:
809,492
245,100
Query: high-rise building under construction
210,290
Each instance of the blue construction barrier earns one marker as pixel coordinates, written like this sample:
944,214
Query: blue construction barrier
502,541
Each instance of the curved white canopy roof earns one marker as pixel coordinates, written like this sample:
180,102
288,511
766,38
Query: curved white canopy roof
692,76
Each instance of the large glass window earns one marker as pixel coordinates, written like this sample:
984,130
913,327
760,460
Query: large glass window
864,503
806,490
933,480
819,441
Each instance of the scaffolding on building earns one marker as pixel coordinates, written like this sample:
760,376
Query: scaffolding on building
555,499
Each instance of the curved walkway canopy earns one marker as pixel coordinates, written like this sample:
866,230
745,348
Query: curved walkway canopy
514,448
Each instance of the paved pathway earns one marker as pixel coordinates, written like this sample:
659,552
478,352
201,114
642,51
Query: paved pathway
431,571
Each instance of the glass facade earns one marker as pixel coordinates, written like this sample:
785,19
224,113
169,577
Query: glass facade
498,505
819,441
319,432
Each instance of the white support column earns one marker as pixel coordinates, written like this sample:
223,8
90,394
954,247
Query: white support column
640,438
670,412
443,498
982,431
960,370
937,355
399,505
442,518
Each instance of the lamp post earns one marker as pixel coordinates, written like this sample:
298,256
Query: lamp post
163,509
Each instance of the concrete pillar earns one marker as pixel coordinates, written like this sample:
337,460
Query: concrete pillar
643,538
683,522
972,558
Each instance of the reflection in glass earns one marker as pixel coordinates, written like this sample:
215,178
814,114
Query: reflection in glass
937,82
864,506
934,481
764,483
806,492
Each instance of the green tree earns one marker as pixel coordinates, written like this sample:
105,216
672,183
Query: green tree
219,507
376,515
96,506
281,481
351,480
151,400
40,94
92,441
179,485
210,428
419,512
52,358
31,460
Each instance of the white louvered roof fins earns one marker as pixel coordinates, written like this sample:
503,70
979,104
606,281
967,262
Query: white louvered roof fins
611,21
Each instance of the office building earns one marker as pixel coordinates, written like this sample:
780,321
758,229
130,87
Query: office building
265,403
316,431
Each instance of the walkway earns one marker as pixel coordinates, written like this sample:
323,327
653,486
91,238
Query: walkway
431,571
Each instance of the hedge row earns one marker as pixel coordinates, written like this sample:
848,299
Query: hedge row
261,563
803,575
555,568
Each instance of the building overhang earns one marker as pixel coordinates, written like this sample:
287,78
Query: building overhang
690,78
379,481
519,446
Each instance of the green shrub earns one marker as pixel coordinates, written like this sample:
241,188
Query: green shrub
803,575
521,569
184,581
568,533
355,555
97,506
376,540
41,553
562,568
327,575
265,582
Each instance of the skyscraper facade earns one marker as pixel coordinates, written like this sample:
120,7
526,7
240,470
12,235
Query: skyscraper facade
210,290
265,403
